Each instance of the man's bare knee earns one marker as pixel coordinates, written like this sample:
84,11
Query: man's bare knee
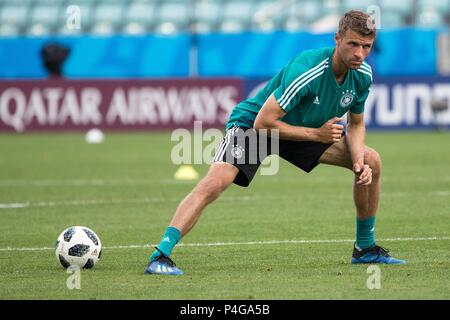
215,182
209,189
373,159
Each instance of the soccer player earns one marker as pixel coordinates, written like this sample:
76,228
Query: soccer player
304,103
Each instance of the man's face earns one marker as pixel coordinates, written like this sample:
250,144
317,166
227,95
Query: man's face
353,48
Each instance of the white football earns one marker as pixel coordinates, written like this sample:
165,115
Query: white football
78,246
95,136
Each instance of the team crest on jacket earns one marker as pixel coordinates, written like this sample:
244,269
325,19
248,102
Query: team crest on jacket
237,152
347,98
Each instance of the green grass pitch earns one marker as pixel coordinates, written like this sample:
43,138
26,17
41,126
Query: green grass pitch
287,236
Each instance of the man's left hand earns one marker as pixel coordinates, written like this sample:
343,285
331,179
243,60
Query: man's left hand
364,173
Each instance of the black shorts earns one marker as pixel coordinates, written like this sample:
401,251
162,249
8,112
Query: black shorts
245,149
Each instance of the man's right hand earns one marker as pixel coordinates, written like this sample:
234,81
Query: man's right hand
330,131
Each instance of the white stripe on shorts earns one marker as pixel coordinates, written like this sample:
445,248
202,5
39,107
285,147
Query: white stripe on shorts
221,145
224,144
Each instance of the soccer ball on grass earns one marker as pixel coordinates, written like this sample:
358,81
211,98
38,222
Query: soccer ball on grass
78,246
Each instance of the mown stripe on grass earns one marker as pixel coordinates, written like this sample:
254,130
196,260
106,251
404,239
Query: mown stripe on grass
88,202
99,182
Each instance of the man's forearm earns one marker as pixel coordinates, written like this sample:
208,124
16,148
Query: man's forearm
290,132
356,136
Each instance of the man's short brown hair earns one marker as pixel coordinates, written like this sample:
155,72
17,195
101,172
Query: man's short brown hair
359,22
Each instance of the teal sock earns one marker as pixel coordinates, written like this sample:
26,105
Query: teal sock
365,232
168,242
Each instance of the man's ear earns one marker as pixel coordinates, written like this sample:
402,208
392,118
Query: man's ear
337,37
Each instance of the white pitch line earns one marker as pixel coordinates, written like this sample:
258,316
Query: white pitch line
74,183
221,244
102,202
89,182
441,193
13,205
